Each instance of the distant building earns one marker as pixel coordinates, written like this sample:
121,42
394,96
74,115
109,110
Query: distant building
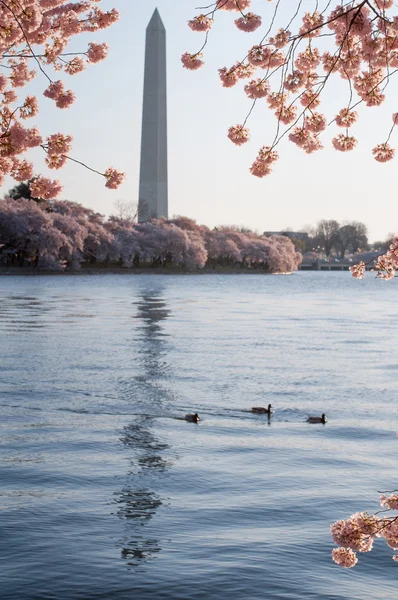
297,235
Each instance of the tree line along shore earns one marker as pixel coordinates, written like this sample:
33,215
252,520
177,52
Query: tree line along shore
64,236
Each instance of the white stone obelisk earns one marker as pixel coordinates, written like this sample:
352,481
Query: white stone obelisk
153,196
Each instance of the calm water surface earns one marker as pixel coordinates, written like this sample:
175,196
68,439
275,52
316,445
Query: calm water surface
105,495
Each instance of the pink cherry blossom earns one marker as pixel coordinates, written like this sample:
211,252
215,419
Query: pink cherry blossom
286,114
22,170
257,88
276,100
56,161
281,39
74,66
267,155
66,99
305,139
54,90
294,81
259,56
346,118
344,143
113,178
244,71
310,99
345,557
392,501
358,271
229,77
250,22
200,23
97,52
42,187
260,169
238,134
30,108
311,25
383,152
262,165
58,144
316,122
192,61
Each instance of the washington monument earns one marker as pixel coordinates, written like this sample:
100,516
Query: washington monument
153,200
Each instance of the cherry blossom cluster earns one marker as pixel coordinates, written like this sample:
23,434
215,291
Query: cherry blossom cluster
290,67
357,534
386,264
36,33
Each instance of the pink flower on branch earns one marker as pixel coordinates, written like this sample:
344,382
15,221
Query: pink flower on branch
238,134
192,61
41,187
30,108
66,99
114,178
310,99
262,166
391,502
294,81
281,39
229,77
259,56
383,152
59,144
74,66
257,88
54,90
200,23
305,140
286,114
22,170
244,71
56,161
344,143
249,22
312,23
346,118
344,557
358,271
316,122
260,169
97,52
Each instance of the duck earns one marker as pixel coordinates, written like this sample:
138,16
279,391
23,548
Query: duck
192,418
261,410
321,419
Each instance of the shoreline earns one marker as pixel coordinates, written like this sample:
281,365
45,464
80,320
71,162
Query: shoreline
27,272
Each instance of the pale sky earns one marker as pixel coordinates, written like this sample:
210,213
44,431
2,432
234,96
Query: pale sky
209,177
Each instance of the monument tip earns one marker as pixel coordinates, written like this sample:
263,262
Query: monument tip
156,22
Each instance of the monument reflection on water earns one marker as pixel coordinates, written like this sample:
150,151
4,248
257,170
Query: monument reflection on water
148,455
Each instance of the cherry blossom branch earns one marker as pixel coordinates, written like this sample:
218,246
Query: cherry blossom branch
26,39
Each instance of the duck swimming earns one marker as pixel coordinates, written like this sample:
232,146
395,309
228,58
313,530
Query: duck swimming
192,418
261,410
321,419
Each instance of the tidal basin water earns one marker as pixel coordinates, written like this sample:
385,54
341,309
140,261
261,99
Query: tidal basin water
105,495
